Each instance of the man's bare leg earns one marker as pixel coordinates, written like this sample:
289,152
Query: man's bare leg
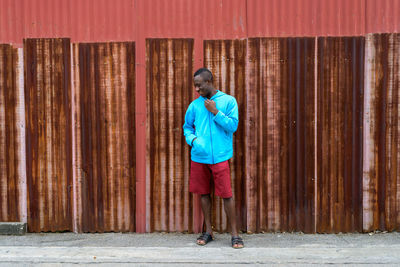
206,208
229,206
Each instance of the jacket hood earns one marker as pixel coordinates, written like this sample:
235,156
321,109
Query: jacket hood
218,94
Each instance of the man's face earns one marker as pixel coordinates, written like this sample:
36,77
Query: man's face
202,87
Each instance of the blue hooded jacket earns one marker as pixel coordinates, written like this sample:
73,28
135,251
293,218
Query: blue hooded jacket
214,132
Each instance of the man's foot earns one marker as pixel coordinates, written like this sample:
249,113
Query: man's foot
237,242
204,239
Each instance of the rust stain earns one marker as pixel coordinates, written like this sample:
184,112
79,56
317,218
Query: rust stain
274,146
48,134
340,104
104,114
382,158
80,137
10,160
169,68
227,60
298,113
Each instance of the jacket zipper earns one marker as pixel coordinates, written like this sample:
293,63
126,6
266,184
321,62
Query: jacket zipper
212,151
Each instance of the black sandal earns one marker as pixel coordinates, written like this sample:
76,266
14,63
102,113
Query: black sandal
206,237
238,241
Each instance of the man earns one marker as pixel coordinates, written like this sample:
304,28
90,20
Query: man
210,122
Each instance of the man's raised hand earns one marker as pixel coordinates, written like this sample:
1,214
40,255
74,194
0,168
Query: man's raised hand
210,106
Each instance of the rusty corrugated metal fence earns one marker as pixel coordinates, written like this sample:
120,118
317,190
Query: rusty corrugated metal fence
316,149
273,168
48,134
227,60
339,124
169,77
317,146
104,136
299,147
381,169
12,174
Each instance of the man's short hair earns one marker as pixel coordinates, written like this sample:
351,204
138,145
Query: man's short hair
205,74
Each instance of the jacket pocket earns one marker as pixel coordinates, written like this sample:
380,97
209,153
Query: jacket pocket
199,147
224,145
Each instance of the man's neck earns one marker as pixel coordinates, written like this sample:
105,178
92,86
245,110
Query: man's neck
213,93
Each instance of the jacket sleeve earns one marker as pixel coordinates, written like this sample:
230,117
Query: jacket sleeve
229,121
188,127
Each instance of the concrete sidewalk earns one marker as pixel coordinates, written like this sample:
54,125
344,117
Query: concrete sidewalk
115,249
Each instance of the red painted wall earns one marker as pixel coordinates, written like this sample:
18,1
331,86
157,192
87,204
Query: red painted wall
122,20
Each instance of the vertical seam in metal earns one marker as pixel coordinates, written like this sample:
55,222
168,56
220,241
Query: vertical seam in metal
366,220
73,141
22,164
198,217
247,23
365,16
315,132
245,152
141,180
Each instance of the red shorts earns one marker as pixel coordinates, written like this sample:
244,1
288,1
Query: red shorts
200,179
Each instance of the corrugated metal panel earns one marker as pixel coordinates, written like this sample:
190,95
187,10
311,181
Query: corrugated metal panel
48,134
89,20
382,16
135,20
169,65
141,122
220,19
227,61
305,18
104,136
340,102
10,133
297,124
273,168
127,20
381,184
121,20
